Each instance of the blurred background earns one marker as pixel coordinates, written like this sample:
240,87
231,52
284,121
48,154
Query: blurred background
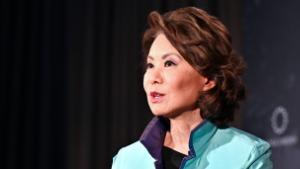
71,77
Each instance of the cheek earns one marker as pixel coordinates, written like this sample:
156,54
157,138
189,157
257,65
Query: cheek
178,83
187,86
144,82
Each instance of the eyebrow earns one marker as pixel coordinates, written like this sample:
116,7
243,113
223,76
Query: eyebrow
165,56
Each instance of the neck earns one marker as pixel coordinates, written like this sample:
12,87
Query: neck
180,130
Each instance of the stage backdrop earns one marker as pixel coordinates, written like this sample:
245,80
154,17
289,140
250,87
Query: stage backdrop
71,77
271,48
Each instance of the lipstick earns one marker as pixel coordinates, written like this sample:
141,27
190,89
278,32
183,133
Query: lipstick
156,97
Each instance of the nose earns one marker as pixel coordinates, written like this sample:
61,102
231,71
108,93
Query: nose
155,76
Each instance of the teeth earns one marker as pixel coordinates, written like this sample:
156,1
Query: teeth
157,95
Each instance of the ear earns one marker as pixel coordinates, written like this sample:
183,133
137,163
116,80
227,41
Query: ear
209,84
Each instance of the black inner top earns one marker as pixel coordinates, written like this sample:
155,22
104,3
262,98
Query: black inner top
171,158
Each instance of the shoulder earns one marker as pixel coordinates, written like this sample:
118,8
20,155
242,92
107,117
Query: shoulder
237,146
242,140
136,147
133,156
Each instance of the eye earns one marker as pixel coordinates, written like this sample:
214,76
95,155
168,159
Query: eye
149,65
169,63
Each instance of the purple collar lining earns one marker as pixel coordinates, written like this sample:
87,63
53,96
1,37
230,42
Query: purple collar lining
153,138
154,135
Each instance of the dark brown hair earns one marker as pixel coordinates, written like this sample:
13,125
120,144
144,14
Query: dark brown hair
205,43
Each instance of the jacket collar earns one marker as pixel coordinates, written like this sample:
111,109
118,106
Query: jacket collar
200,136
153,139
154,135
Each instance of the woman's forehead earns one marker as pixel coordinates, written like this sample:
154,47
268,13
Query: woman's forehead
161,46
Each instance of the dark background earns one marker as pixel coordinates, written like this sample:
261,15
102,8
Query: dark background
71,77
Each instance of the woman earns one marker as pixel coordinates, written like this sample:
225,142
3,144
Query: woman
193,85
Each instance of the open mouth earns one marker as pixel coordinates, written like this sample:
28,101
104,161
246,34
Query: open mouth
156,97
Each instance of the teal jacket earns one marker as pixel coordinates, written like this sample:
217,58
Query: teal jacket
210,148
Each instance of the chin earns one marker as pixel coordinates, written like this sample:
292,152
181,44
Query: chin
158,112
166,114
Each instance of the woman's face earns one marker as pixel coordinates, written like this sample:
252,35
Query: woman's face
172,85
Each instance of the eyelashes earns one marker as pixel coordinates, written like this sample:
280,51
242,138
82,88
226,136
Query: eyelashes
149,65
167,63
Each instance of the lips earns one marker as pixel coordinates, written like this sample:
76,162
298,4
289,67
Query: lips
156,97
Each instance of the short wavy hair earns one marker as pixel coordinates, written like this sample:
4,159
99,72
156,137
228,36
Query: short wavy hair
206,45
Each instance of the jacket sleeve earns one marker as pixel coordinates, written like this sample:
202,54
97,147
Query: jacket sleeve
116,162
134,156
262,157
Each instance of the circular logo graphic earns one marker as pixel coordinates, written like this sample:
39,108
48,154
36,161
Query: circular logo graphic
279,120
